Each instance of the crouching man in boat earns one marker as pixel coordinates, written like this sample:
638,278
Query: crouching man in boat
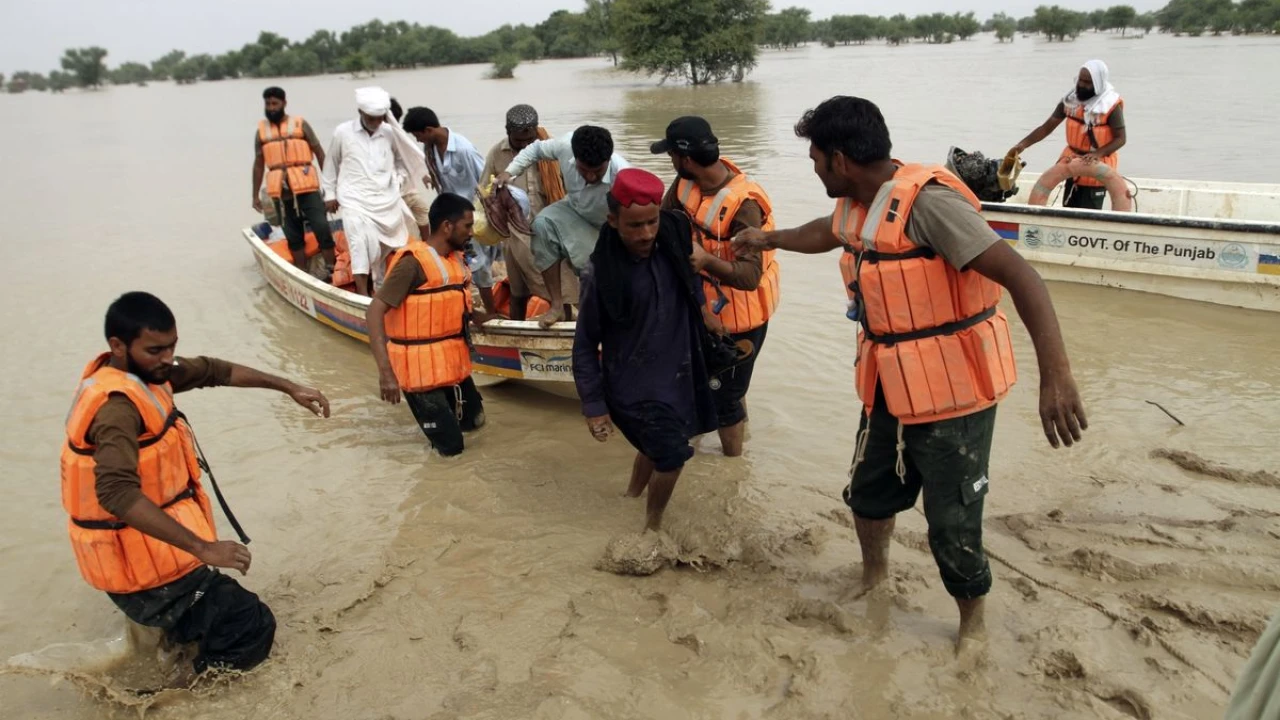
637,353
1094,113
566,231
418,328
741,288
924,274
141,524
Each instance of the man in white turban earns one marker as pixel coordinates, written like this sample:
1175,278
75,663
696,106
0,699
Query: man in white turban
360,180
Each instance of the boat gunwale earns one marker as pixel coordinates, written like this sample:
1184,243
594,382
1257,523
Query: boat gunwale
1251,227
562,330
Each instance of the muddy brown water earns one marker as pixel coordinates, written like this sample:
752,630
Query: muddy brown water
411,587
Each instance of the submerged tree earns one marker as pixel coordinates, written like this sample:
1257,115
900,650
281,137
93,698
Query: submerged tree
87,65
504,66
702,41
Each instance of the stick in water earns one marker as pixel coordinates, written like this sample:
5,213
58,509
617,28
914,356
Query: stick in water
1166,412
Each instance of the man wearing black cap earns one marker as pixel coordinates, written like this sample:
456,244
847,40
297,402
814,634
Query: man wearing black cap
638,358
741,288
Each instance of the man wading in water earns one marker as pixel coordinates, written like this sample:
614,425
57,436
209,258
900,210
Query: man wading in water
924,274
141,524
637,355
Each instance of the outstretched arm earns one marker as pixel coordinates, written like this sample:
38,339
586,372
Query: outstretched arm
812,238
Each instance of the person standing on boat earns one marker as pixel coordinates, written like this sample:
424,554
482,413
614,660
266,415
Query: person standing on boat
637,353
455,165
418,328
924,274
367,157
287,151
567,230
141,524
544,187
741,288
1094,112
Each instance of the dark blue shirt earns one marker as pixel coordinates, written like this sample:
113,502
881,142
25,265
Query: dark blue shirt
651,359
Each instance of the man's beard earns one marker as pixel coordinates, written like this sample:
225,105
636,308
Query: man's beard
159,376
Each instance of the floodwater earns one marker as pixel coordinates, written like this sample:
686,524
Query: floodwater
408,586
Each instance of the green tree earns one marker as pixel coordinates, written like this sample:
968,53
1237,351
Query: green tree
965,26
529,48
162,69
1004,26
130,73
1096,19
327,49
702,41
87,64
26,80
599,16
357,64
1057,23
1120,17
504,66
786,29
1258,15
1145,21
293,62
934,28
59,81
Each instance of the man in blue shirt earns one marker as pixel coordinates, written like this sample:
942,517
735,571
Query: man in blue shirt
456,166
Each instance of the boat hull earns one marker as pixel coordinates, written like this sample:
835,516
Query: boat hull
502,350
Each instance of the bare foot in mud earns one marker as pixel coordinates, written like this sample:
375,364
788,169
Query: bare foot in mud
550,317
972,641
872,578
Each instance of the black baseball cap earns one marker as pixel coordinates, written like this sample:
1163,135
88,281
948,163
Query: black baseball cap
685,134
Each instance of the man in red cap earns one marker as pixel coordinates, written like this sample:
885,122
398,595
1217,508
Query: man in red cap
638,357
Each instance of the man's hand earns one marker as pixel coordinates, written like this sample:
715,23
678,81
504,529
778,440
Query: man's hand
502,180
600,427
1061,411
311,399
225,554
1016,150
712,321
430,183
331,206
750,240
389,386
1090,157
257,204
699,258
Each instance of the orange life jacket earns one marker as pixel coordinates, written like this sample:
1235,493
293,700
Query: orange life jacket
502,301
1082,139
934,338
426,335
342,277
712,217
285,151
113,556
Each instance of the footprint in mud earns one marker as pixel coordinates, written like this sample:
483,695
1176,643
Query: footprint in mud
638,554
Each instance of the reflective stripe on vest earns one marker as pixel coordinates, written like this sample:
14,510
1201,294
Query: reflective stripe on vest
712,217
934,339
287,156
1083,139
426,335
112,556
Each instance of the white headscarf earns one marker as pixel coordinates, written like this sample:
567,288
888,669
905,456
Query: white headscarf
1105,96
373,101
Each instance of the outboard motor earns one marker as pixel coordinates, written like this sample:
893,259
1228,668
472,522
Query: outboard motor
981,174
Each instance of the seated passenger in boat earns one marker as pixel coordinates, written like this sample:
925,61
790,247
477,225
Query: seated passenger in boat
544,187
418,328
638,358
1094,112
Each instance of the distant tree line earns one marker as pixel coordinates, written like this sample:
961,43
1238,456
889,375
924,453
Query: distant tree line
699,41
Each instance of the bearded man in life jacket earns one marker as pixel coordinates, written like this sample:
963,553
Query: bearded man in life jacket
924,275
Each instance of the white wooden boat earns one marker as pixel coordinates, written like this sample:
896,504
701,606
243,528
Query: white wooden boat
1207,241
502,350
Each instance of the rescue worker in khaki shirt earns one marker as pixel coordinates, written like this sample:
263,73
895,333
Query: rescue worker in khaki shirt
543,187
141,524
418,328
924,272
737,284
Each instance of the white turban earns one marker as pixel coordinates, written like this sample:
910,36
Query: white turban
373,101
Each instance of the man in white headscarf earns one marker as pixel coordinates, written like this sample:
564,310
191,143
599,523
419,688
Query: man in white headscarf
367,157
1094,113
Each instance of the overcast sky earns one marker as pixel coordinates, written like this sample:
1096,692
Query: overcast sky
33,33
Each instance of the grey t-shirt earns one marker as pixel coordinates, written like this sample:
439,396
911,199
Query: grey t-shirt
944,221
